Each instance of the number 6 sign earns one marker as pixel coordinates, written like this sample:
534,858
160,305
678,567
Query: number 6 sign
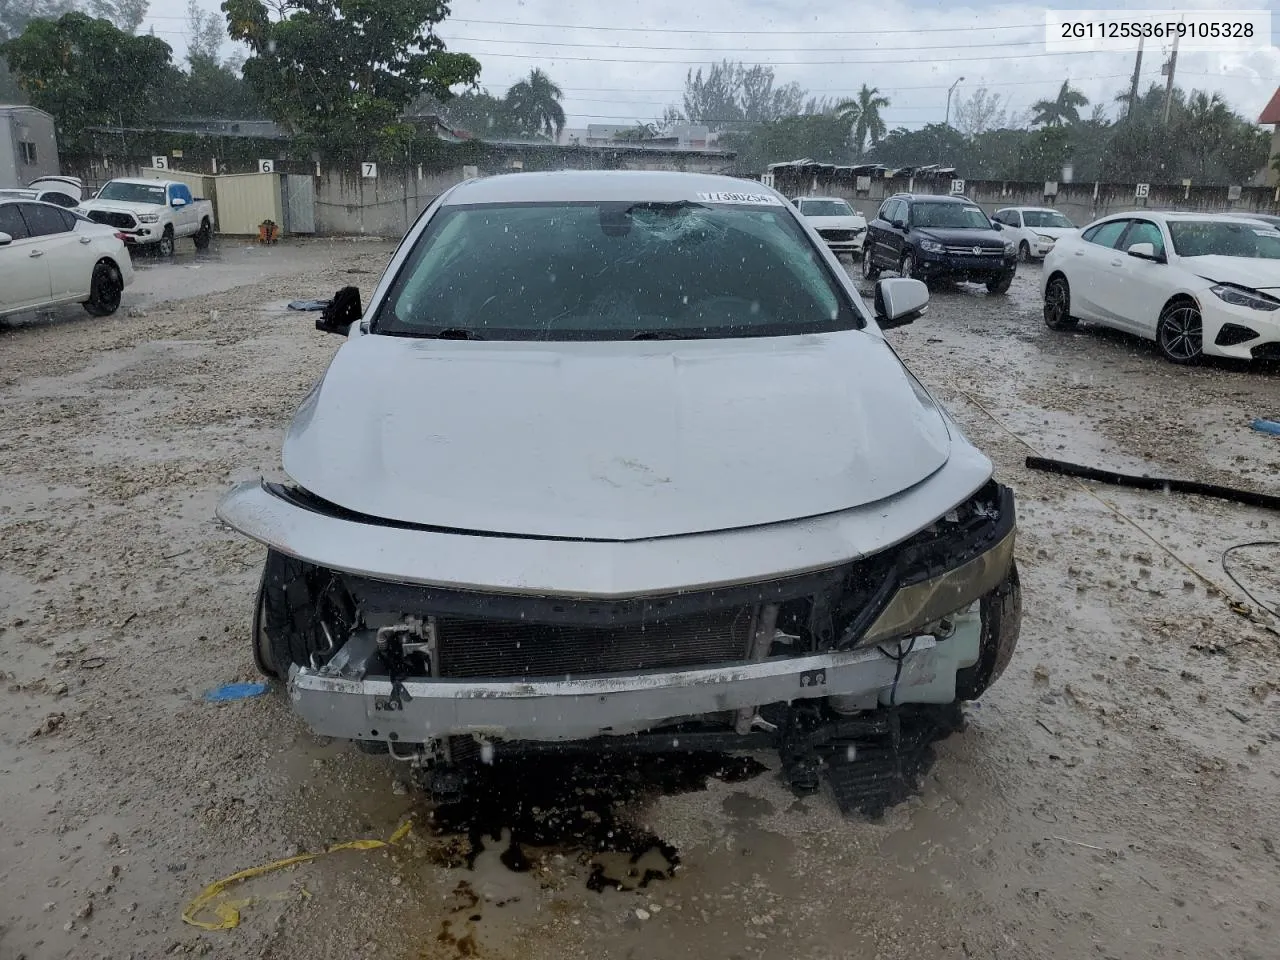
266,166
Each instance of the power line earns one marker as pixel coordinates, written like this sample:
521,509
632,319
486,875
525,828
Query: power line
640,46
722,31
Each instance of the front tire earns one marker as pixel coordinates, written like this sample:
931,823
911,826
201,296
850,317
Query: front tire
1000,284
203,235
908,269
105,288
165,247
870,272
1180,332
1057,304
1024,252
303,614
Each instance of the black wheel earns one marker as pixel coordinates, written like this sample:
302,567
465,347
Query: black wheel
1001,623
907,268
203,235
1000,284
105,288
1180,333
870,271
1024,252
165,246
1057,304
302,615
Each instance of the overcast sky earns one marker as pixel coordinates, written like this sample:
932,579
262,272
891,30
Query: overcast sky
912,50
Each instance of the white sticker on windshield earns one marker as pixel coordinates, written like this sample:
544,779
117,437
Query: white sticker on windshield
1267,233
972,209
752,198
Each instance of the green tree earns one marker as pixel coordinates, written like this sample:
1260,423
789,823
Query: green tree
823,137
641,131
340,73
862,114
14,17
1064,108
730,93
86,72
935,143
477,112
1044,152
534,103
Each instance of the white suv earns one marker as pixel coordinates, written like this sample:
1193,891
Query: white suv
1033,230
843,228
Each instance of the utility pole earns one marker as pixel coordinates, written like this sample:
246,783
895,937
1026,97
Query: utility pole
1168,87
952,90
1133,87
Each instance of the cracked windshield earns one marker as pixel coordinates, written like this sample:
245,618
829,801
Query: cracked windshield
529,480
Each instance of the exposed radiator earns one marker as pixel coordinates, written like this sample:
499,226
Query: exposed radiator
493,649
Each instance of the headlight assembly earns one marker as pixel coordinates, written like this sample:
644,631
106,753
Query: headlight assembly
1009,248
148,218
1243,297
931,246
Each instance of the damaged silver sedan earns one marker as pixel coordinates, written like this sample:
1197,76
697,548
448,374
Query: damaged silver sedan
623,458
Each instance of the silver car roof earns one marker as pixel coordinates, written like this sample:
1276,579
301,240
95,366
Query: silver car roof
589,185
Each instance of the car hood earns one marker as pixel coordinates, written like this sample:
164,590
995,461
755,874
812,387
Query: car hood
959,236
1257,273
121,206
613,440
1055,232
837,223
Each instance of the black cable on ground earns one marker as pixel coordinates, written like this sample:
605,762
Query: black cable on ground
1243,589
1248,497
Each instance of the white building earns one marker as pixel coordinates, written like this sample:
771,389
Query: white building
28,145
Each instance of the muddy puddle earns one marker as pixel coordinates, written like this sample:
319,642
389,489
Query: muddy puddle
586,812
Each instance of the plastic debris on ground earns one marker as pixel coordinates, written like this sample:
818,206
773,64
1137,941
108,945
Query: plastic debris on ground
236,691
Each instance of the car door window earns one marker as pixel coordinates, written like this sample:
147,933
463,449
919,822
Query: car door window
11,222
1106,234
1144,231
43,221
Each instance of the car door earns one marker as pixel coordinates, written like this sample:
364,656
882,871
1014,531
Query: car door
1142,286
24,276
895,235
184,216
1093,271
68,256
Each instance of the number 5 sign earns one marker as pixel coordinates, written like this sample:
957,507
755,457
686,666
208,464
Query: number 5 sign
369,170
160,163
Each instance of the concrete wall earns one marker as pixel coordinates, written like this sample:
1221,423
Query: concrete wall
1079,202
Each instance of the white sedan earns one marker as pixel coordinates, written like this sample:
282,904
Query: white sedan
1033,230
1197,284
51,256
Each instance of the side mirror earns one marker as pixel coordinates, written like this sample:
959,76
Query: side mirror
178,202
997,225
900,224
1145,251
343,310
899,301
5,239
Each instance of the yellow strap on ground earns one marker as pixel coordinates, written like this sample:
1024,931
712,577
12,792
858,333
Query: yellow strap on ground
228,911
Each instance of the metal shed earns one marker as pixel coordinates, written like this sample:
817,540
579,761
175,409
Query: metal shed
28,145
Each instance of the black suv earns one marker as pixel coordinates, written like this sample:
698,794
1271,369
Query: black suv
928,237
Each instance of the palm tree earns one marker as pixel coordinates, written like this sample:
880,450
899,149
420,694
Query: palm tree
863,114
1062,109
535,103
1206,123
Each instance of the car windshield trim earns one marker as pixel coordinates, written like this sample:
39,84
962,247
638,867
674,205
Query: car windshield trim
779,235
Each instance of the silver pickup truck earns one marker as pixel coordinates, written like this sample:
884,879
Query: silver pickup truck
152,213
623,458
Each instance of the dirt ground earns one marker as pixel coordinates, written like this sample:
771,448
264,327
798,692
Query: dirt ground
1116,795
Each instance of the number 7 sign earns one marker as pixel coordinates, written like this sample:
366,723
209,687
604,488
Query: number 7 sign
369,170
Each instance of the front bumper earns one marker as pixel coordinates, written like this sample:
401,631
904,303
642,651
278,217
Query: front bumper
1231,324
415,711
975,268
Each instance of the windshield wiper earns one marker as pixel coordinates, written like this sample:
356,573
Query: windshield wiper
451,333
662,335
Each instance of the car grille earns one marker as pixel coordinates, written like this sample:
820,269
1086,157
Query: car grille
839,235
493,649
969,251
124,221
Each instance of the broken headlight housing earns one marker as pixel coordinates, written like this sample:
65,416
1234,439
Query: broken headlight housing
958,559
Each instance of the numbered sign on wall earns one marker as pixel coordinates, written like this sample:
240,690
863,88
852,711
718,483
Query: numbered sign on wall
766,179
1143,191
266,166
957,186
369,170
160,163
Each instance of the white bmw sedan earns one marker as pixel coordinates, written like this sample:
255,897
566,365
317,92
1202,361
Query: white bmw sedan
50,256
1197,284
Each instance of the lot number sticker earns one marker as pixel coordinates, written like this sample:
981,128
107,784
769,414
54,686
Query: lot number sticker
369,171
266,166
1143,191
160,163
750,198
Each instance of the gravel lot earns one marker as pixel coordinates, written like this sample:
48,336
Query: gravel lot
1116,795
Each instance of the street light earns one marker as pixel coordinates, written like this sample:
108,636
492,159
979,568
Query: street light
949,92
